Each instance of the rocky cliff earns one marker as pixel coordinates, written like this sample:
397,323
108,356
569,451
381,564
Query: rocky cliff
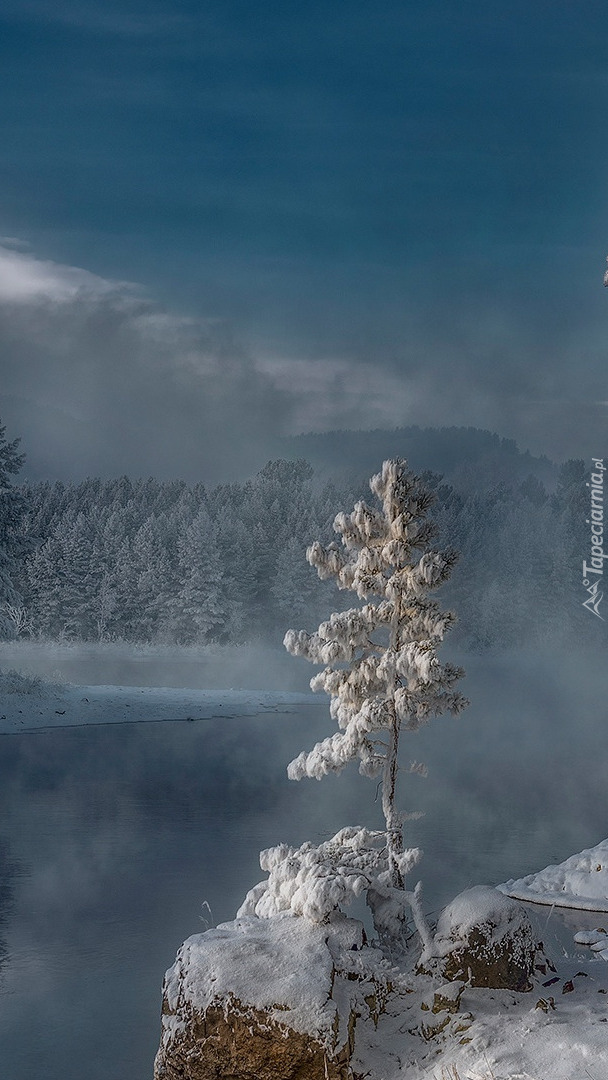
283,998
261,999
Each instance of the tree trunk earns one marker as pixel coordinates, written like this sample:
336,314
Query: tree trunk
394,826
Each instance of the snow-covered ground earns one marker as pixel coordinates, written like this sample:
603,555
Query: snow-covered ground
555,1031
47,706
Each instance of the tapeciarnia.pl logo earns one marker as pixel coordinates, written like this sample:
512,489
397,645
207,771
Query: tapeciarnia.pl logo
593,571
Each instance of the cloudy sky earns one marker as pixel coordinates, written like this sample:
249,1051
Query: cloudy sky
222,221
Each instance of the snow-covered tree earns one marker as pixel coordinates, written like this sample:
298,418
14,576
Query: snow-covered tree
18,617
198,610
383,676
11,505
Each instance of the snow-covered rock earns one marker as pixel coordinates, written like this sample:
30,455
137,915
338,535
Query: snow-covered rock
581,881
485,939
286,999
257,999
597,940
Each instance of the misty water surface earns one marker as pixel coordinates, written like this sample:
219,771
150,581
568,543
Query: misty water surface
112,838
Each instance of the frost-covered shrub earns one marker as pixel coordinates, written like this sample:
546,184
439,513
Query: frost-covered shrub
15,682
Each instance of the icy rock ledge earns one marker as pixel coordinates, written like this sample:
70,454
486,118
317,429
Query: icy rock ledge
257,999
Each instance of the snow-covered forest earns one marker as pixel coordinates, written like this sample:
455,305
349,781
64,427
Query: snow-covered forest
151,561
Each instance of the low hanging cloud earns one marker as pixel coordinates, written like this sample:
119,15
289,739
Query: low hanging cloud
98,379
333,393
27,280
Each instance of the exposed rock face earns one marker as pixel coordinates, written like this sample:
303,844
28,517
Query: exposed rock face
268,999
485,939
236,1042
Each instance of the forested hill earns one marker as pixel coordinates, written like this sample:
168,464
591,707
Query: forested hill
171,562
469,458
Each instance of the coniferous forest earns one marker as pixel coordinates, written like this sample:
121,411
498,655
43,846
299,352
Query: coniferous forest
168,562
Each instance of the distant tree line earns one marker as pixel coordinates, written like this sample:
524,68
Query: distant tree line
151,561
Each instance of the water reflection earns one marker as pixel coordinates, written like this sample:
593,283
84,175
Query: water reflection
9,870
123,833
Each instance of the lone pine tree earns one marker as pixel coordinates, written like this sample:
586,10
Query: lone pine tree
384,677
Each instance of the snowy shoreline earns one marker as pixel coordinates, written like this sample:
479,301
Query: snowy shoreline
88,706
580,882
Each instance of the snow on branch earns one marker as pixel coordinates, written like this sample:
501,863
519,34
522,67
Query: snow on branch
314,881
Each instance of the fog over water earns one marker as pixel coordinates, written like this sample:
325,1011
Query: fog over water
112,838
257,666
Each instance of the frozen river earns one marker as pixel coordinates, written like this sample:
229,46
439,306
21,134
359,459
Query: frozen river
113,838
